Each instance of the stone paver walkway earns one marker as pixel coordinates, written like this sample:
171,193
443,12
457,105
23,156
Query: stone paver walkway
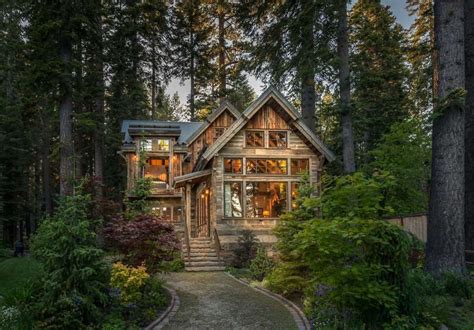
216,301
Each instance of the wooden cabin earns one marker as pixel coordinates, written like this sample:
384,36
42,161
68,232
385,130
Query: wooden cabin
236,170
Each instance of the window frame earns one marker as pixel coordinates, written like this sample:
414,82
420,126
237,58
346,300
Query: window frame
255,131
151,142
241,198
215,137
266,160
278,131
253,182
298,160
232,167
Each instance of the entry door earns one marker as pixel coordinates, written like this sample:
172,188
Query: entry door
203,212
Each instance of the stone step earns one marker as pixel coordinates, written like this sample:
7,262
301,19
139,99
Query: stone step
202,258
202,254
200,243
205,269
200,248
204,263
200,239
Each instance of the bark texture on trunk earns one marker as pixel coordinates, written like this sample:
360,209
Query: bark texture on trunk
222,68
46,164
308,101
469,119
66,170
192,73
99,129
345,91
445,246
306,70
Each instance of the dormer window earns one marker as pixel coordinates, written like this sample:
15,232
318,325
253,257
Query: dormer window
155,144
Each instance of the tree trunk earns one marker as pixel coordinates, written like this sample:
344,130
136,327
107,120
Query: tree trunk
99,109
469,134
153,81
46,164
66,169
345,91
308,101
222,68
192,72
307,71
445,246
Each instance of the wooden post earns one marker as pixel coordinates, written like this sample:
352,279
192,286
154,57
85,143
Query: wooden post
188,207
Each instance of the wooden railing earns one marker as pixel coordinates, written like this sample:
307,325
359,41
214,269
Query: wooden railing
186,239
217,243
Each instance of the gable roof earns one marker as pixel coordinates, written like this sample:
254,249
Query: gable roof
225,105
295,120
182,130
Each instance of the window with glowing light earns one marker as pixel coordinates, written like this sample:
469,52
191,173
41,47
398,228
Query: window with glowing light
254,139
157,169
277,139
265,199
155,144
267,166
299,166
233,165
294,194
233,199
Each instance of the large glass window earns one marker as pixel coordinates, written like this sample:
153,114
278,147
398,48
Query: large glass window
299,166
157,169
155,144
294,194
254,139
266,166
233,199
277,139
233,165
265,199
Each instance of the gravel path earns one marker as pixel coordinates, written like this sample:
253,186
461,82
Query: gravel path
216,301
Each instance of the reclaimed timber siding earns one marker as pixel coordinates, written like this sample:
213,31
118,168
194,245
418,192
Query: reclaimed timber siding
207,137
229,228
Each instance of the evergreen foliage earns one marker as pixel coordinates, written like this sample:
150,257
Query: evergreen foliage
75,275
379,73
246,249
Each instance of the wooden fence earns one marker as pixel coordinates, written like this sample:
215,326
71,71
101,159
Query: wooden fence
416,224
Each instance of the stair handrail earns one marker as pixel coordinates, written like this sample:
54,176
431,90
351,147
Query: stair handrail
217,243
186,240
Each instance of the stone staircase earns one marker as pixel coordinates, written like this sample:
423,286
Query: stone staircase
203,256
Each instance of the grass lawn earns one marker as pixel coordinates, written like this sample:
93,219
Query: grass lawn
15,272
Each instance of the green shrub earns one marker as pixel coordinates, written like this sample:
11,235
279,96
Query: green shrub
129,281
261,265
246,249
73,289
174,265
457,285
288,278
5,253
9,317
358,268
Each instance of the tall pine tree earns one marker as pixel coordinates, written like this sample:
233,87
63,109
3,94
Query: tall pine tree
378,71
